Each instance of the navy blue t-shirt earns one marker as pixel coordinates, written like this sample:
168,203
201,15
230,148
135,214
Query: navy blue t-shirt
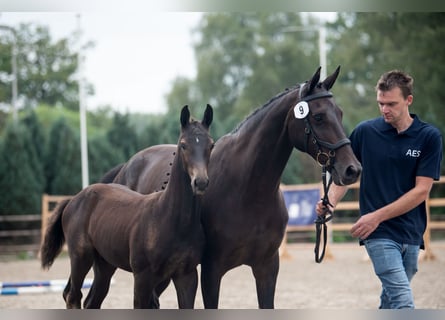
391,162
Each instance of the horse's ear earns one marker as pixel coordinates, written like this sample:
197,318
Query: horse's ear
314,81
185,116
208,116
329,81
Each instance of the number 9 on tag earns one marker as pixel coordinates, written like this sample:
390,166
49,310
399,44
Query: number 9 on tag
301,110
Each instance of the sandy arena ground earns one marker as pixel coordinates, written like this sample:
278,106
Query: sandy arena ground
346,282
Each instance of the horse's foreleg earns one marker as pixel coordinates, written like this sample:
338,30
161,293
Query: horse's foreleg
154,302
186,286
160,288
265,274
143,290
210,285
103,271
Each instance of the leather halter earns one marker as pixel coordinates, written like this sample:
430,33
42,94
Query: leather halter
324,160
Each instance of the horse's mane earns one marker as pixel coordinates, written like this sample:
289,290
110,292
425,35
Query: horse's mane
265,106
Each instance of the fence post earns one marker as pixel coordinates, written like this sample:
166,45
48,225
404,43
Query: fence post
44,219
282,250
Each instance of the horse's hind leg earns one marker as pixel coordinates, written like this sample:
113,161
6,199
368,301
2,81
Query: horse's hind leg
80,265
103,271
67,289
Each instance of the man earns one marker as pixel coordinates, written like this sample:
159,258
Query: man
401,157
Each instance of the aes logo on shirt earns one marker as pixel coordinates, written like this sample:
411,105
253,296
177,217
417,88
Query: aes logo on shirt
413,153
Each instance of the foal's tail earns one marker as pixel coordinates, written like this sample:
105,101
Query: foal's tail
54,238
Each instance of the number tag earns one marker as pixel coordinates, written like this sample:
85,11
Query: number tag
301,110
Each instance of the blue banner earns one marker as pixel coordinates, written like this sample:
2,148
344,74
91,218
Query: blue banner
301,205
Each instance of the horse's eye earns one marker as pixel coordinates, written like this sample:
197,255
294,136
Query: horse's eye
183,146
212,146
318,117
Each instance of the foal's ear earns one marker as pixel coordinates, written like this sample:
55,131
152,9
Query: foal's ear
329,81
208,116
185,116
314,81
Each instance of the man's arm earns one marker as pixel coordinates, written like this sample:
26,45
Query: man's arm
335,194
369,222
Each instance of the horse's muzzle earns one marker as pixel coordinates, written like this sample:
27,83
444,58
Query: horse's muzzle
347,175
199,185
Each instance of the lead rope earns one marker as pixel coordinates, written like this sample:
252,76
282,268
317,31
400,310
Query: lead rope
320,222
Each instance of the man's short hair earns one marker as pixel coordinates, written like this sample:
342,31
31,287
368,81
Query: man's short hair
396,78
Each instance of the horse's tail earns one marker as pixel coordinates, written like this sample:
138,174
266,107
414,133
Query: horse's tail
54,237
109,176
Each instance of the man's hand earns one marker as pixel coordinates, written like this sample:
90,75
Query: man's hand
322,209
365,226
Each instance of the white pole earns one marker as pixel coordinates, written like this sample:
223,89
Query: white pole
322,51
14,80
14,70
82,110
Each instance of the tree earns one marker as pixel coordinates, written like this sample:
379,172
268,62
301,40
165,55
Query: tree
158,131
62,164
122,136
20,183
246,58
368,44
102,157
37,143
46,68
183,92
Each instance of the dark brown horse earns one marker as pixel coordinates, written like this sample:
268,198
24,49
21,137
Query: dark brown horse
157,237
243,212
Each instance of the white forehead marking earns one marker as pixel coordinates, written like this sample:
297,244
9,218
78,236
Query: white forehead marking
197,140
301,110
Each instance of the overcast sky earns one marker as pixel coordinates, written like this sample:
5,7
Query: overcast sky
136,55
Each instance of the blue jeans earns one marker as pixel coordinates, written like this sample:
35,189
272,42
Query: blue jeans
395,264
